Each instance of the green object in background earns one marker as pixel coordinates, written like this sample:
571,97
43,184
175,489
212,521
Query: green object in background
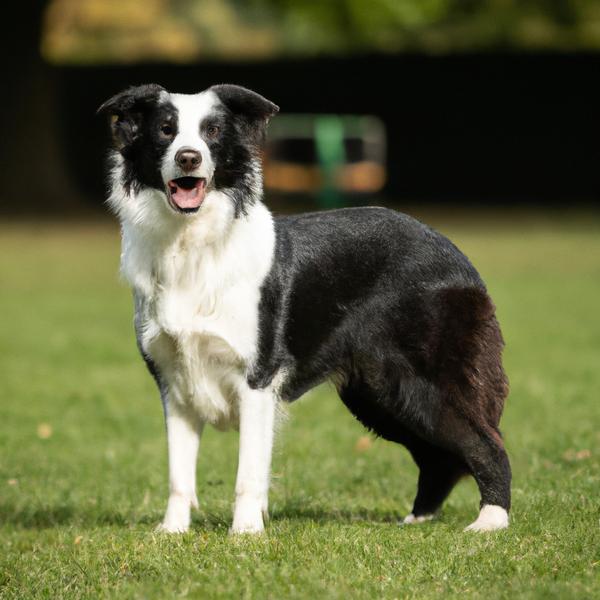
329,142
325,143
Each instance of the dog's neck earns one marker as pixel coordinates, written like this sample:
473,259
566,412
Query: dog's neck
160,246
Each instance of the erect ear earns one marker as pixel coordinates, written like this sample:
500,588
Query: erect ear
246,103
126,111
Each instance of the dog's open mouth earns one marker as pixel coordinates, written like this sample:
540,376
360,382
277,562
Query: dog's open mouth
186,193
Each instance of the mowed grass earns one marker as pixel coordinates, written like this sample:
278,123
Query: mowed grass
83,477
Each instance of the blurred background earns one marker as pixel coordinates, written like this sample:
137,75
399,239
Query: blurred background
387,101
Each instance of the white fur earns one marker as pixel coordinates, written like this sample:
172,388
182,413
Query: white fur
192,109
491,517
199,303
196,280
257,411
183,434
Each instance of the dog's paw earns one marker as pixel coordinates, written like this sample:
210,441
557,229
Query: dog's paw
177,517
247,529
247,516
166,527
491,518
412,520
247,523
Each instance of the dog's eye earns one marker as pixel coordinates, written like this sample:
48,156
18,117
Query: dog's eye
166,130
212,130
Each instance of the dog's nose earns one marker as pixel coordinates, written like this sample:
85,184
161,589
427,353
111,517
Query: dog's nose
188,159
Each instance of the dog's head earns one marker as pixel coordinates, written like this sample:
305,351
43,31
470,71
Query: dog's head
185,146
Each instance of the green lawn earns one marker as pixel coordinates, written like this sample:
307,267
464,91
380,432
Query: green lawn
83,455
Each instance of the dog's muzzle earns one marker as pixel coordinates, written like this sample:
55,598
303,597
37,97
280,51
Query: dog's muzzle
186,194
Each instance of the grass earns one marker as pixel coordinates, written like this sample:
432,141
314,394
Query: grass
83,460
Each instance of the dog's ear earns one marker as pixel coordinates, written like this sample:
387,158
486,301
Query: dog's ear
126,111
253,107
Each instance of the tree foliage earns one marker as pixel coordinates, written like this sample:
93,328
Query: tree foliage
88,31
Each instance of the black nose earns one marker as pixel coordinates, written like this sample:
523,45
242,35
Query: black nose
188,159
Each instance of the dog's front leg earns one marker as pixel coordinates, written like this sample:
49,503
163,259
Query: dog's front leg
183,438
257,410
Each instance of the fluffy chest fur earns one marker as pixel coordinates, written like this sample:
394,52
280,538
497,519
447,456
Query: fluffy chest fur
197,299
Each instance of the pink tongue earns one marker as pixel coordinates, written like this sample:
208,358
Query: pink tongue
187,198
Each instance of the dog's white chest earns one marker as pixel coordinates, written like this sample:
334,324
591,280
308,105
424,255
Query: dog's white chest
202,345
224,321
198,315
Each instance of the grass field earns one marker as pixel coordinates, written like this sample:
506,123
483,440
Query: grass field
83,457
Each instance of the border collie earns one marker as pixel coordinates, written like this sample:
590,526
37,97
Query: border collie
237,310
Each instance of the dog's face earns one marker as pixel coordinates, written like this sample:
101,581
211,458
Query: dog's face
185,146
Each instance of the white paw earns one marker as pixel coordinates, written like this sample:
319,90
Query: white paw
411,519
166,527
177,518
491,517
253,528
247,516
247,523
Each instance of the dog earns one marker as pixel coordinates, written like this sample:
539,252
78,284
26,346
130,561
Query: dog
237,310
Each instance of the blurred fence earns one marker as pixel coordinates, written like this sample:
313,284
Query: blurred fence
485,128
486,120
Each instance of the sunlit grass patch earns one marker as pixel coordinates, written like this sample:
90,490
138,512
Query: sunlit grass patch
83,455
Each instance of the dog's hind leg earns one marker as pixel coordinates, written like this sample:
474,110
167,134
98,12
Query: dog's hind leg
479,444
488,462
439,472
439,468
473,386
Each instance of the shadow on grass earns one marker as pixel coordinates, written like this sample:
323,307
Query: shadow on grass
73,515
295,512
66,514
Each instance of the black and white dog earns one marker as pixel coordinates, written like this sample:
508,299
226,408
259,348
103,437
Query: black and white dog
236,310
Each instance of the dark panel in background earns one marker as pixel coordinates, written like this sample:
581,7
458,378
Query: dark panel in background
506,128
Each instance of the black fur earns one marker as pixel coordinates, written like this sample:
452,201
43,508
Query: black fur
137,114
243,123
388,308
398,316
